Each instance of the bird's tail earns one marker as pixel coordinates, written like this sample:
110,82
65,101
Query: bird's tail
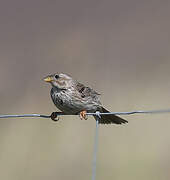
110,119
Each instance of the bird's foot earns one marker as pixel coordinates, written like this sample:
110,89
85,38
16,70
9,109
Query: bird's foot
54,116
83,115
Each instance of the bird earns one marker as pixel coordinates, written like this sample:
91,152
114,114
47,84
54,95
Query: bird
73,97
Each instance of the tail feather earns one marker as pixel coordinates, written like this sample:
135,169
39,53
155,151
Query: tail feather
111,118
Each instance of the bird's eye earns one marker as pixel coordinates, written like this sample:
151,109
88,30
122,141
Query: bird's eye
56,76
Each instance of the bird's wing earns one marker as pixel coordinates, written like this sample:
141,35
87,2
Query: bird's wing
86,91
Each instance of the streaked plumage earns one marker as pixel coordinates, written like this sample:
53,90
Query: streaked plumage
72,97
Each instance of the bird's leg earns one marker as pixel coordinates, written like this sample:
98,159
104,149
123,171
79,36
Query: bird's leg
83,115
54,115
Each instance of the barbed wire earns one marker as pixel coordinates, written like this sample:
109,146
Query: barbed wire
98,115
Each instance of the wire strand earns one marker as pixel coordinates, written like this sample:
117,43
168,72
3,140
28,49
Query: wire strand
94,165
96,113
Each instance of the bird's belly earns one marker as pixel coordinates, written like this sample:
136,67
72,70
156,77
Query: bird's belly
72,105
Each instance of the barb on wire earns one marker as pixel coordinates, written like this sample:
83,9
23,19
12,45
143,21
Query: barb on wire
96,113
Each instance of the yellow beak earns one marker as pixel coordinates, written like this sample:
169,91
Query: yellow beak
48,79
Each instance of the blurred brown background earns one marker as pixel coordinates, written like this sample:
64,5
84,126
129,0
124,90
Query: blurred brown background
121,48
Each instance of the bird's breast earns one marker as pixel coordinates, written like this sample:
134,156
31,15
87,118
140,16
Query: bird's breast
70,103
63,101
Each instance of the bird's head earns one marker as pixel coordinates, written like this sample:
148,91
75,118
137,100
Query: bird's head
60,81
